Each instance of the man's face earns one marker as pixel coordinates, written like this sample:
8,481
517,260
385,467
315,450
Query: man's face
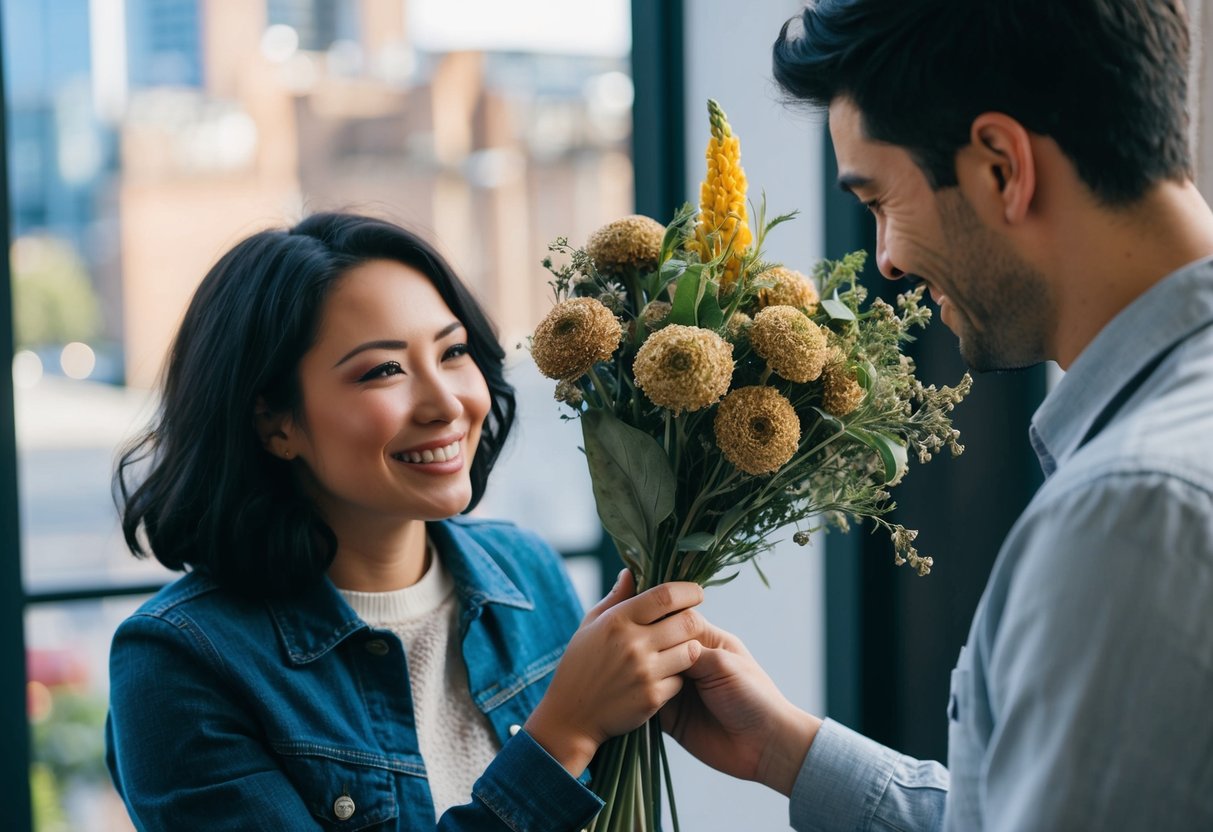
994,301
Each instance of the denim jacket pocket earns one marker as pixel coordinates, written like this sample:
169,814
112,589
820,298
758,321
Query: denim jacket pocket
343,795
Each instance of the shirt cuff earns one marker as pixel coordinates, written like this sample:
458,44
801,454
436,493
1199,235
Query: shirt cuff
528,790
842,781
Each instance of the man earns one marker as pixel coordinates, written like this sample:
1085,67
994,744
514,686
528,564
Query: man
1028,160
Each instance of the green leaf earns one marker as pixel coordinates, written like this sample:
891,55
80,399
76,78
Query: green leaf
668,273
762,575
892,451
631,476
829,419
710,315
782,218
697,542
721,581
687,297
837,310
864,376
729,518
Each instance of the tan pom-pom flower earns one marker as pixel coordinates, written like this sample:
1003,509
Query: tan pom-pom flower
684,367
737,328
791,344
630,242
575,335
654,314
757,429
841,390
791,288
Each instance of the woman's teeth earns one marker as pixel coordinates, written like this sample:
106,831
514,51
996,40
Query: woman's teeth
432,455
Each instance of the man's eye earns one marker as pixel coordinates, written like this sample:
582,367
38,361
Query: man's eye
873,205
455,351
388,368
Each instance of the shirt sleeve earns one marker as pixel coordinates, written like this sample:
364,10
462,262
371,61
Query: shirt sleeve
849,782
524,789
1100,673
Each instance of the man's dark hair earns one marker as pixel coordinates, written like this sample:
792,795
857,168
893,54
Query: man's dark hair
198,484
1106,79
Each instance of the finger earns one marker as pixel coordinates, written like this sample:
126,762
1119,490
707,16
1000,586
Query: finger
663,599
713,636
711,663
678,659
676,629
624,588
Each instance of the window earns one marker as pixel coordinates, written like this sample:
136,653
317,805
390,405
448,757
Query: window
141,144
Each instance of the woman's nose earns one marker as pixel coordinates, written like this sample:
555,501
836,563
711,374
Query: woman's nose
437,400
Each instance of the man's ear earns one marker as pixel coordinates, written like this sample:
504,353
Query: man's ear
273,429
997,168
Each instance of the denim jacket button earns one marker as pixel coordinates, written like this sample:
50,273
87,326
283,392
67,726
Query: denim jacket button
376,647
514,729
343,807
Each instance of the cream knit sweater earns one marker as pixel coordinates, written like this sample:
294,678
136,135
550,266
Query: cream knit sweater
457,742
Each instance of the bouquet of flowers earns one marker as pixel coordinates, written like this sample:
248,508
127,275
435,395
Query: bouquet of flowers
723,398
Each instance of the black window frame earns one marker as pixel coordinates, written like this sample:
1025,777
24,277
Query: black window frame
658,154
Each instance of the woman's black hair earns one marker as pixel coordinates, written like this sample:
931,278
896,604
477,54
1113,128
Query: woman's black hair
198,484
1106,79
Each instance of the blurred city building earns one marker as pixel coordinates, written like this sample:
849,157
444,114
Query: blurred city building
145,137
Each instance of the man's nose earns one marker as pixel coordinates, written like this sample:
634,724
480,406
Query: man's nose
885,263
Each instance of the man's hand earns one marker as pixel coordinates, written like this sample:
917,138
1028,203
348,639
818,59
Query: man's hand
732,717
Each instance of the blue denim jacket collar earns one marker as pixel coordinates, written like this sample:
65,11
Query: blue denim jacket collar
314,623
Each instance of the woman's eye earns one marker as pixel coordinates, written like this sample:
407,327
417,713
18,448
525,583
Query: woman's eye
455,351
388,368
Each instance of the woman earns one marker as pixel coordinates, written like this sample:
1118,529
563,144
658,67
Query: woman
344,652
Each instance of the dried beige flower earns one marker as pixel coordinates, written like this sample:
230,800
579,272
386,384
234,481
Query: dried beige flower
842,392
791,288
631,242
684,367
569,393
737,328
654,314
575,335
791,344
757,429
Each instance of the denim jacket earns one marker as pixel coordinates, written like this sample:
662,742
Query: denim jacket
231,714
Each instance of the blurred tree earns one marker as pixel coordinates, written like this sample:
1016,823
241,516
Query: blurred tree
53,300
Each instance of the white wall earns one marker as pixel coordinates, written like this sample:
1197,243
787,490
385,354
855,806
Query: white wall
728,58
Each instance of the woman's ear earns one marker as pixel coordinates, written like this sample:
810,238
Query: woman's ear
997,169
273,429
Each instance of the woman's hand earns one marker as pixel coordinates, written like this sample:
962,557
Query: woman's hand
621,666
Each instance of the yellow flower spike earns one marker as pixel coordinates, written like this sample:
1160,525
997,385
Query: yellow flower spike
722,225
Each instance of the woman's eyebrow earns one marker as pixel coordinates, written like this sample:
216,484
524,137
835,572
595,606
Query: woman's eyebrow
372,345
395,345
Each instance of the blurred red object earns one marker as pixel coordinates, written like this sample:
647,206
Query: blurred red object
54,668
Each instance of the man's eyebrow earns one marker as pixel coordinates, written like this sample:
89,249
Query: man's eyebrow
850,181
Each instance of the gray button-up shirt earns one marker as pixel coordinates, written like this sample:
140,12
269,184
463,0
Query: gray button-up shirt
1083,698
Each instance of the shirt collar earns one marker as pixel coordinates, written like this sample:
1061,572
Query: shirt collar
1143,331
318,619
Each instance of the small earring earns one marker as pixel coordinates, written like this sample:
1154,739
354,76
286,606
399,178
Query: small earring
287,453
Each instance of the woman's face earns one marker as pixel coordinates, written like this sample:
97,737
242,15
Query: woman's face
392,402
